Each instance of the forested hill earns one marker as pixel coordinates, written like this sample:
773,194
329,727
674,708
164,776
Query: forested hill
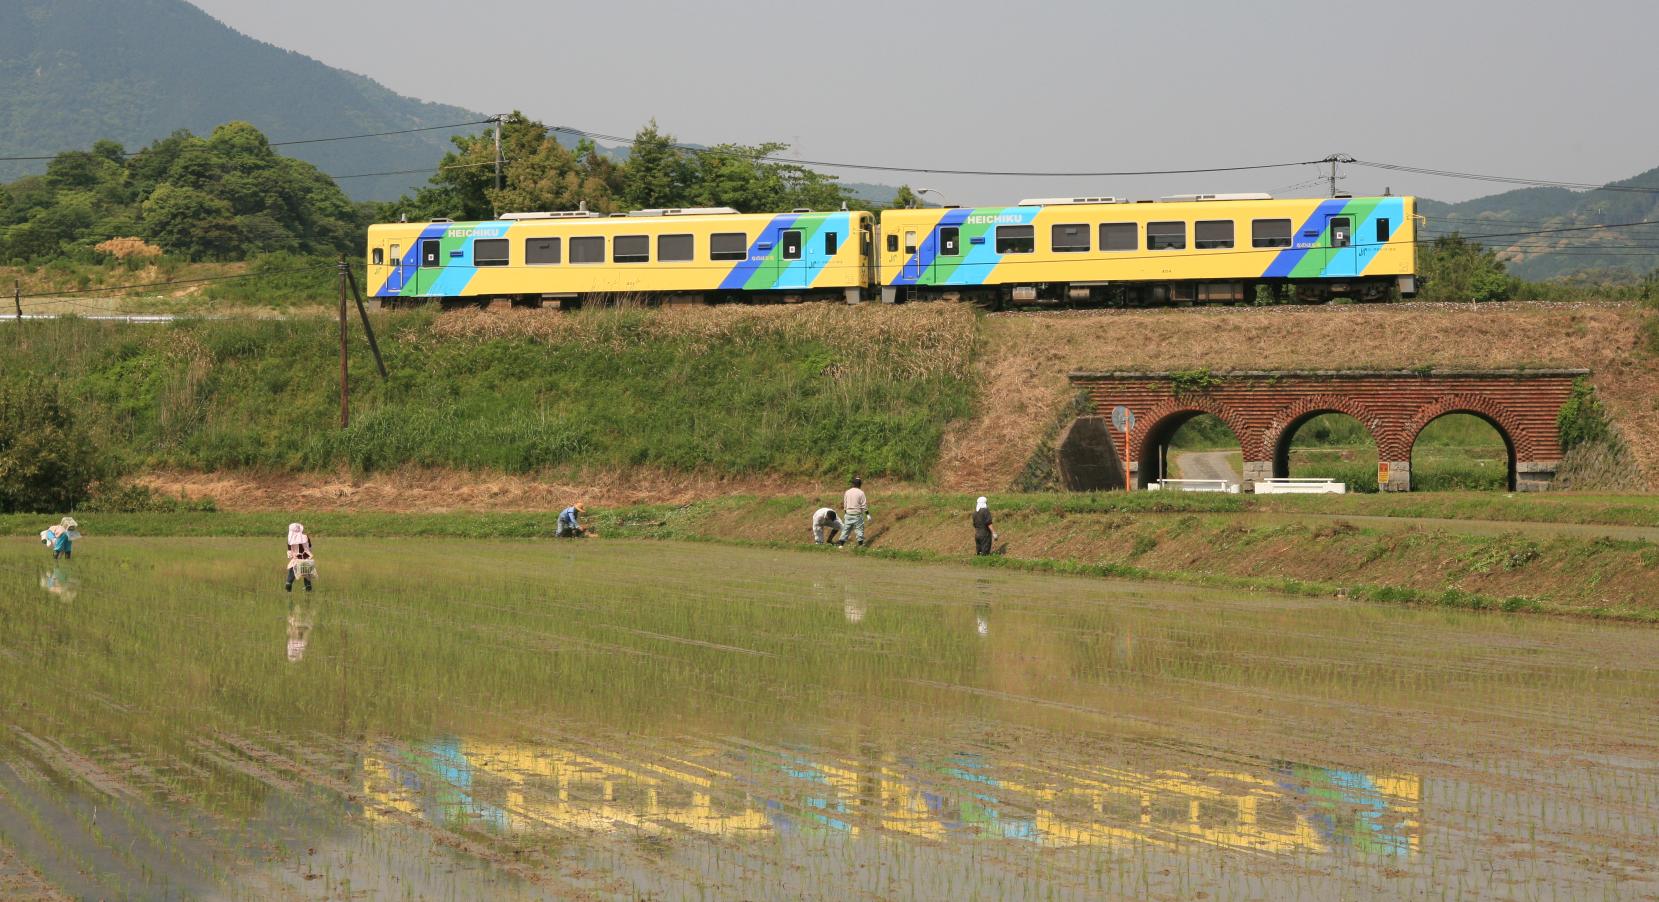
77,71
1616,255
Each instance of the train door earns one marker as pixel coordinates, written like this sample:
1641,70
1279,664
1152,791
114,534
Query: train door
431,261
948,252
791,245
912,262
394,275
1339,253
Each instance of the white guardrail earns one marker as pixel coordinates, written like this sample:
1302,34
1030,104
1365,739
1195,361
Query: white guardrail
1310,486
1195,485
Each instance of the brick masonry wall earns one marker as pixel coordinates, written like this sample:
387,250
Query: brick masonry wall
1394,406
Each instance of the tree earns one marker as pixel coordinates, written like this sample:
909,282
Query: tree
46,461
905,199
1456,269
225,197
658,174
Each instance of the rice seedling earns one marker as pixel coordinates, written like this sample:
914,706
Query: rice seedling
626,719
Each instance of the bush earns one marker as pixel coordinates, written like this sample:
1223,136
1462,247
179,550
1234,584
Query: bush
46,462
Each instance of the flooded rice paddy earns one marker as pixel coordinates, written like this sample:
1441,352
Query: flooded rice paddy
622,720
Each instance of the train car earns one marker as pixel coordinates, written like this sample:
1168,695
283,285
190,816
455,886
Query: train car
1182,249
702,254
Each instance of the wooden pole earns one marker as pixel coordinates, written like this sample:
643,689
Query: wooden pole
345,386
17,298
351,279
1128,480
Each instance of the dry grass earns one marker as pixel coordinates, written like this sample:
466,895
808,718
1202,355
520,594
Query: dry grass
439,491
1027,356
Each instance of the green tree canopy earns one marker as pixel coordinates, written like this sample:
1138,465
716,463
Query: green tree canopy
223,197
542,174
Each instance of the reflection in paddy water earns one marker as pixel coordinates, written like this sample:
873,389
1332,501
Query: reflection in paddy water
737,791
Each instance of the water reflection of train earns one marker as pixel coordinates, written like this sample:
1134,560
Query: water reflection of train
728,792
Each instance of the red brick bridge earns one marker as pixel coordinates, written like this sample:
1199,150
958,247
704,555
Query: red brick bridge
1264,410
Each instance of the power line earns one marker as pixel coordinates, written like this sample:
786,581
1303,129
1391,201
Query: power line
1504,179
692,148
401,131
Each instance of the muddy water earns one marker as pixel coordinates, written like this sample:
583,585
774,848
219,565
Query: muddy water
647,720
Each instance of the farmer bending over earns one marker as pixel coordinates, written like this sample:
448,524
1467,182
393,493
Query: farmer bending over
569,526
824,525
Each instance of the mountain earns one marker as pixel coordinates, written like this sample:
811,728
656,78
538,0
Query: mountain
75,71
1615,254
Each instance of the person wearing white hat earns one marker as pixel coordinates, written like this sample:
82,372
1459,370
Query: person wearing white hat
300,563
61,538
984,535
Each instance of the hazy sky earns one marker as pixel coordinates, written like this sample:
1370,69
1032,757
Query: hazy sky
1556,90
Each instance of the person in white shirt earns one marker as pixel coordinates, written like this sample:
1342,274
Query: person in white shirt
824,525
857,509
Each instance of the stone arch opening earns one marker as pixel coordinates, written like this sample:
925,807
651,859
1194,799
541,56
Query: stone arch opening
1166,447
1447,429
1339,445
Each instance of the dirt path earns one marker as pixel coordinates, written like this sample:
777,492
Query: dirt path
1206,465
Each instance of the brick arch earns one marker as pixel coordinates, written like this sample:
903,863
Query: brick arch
1153,424
1489,409
1293,413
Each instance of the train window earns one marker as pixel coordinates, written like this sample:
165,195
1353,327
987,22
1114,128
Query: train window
1341,231
380,254
1211,234
542,251
1382,230
587,249
832,243
676,248
1119,236
631,249
1016,239
728,246
1166,236
1270,233
791,244
892,244
429,253
489,252
910,242
1070,238
950,242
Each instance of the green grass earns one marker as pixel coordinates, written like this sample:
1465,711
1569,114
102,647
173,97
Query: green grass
716,391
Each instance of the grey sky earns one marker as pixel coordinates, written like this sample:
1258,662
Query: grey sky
1543,90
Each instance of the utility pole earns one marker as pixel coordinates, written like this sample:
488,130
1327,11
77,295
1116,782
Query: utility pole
1334,159
17,298
345,388
498,120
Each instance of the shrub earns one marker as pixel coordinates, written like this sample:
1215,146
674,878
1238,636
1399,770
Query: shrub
46,462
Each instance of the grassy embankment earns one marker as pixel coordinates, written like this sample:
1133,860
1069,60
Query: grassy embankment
1294,545
808,391
270,284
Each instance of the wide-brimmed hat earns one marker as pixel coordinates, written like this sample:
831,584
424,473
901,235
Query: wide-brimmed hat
581,507
296,534
69,523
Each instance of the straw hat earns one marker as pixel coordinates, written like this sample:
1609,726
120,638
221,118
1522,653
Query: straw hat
69,523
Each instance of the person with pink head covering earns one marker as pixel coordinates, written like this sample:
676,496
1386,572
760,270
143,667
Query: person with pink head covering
300,563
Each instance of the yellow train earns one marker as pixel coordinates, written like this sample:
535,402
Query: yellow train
1183,249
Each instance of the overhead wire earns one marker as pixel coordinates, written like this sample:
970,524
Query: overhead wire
874,167
288,143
